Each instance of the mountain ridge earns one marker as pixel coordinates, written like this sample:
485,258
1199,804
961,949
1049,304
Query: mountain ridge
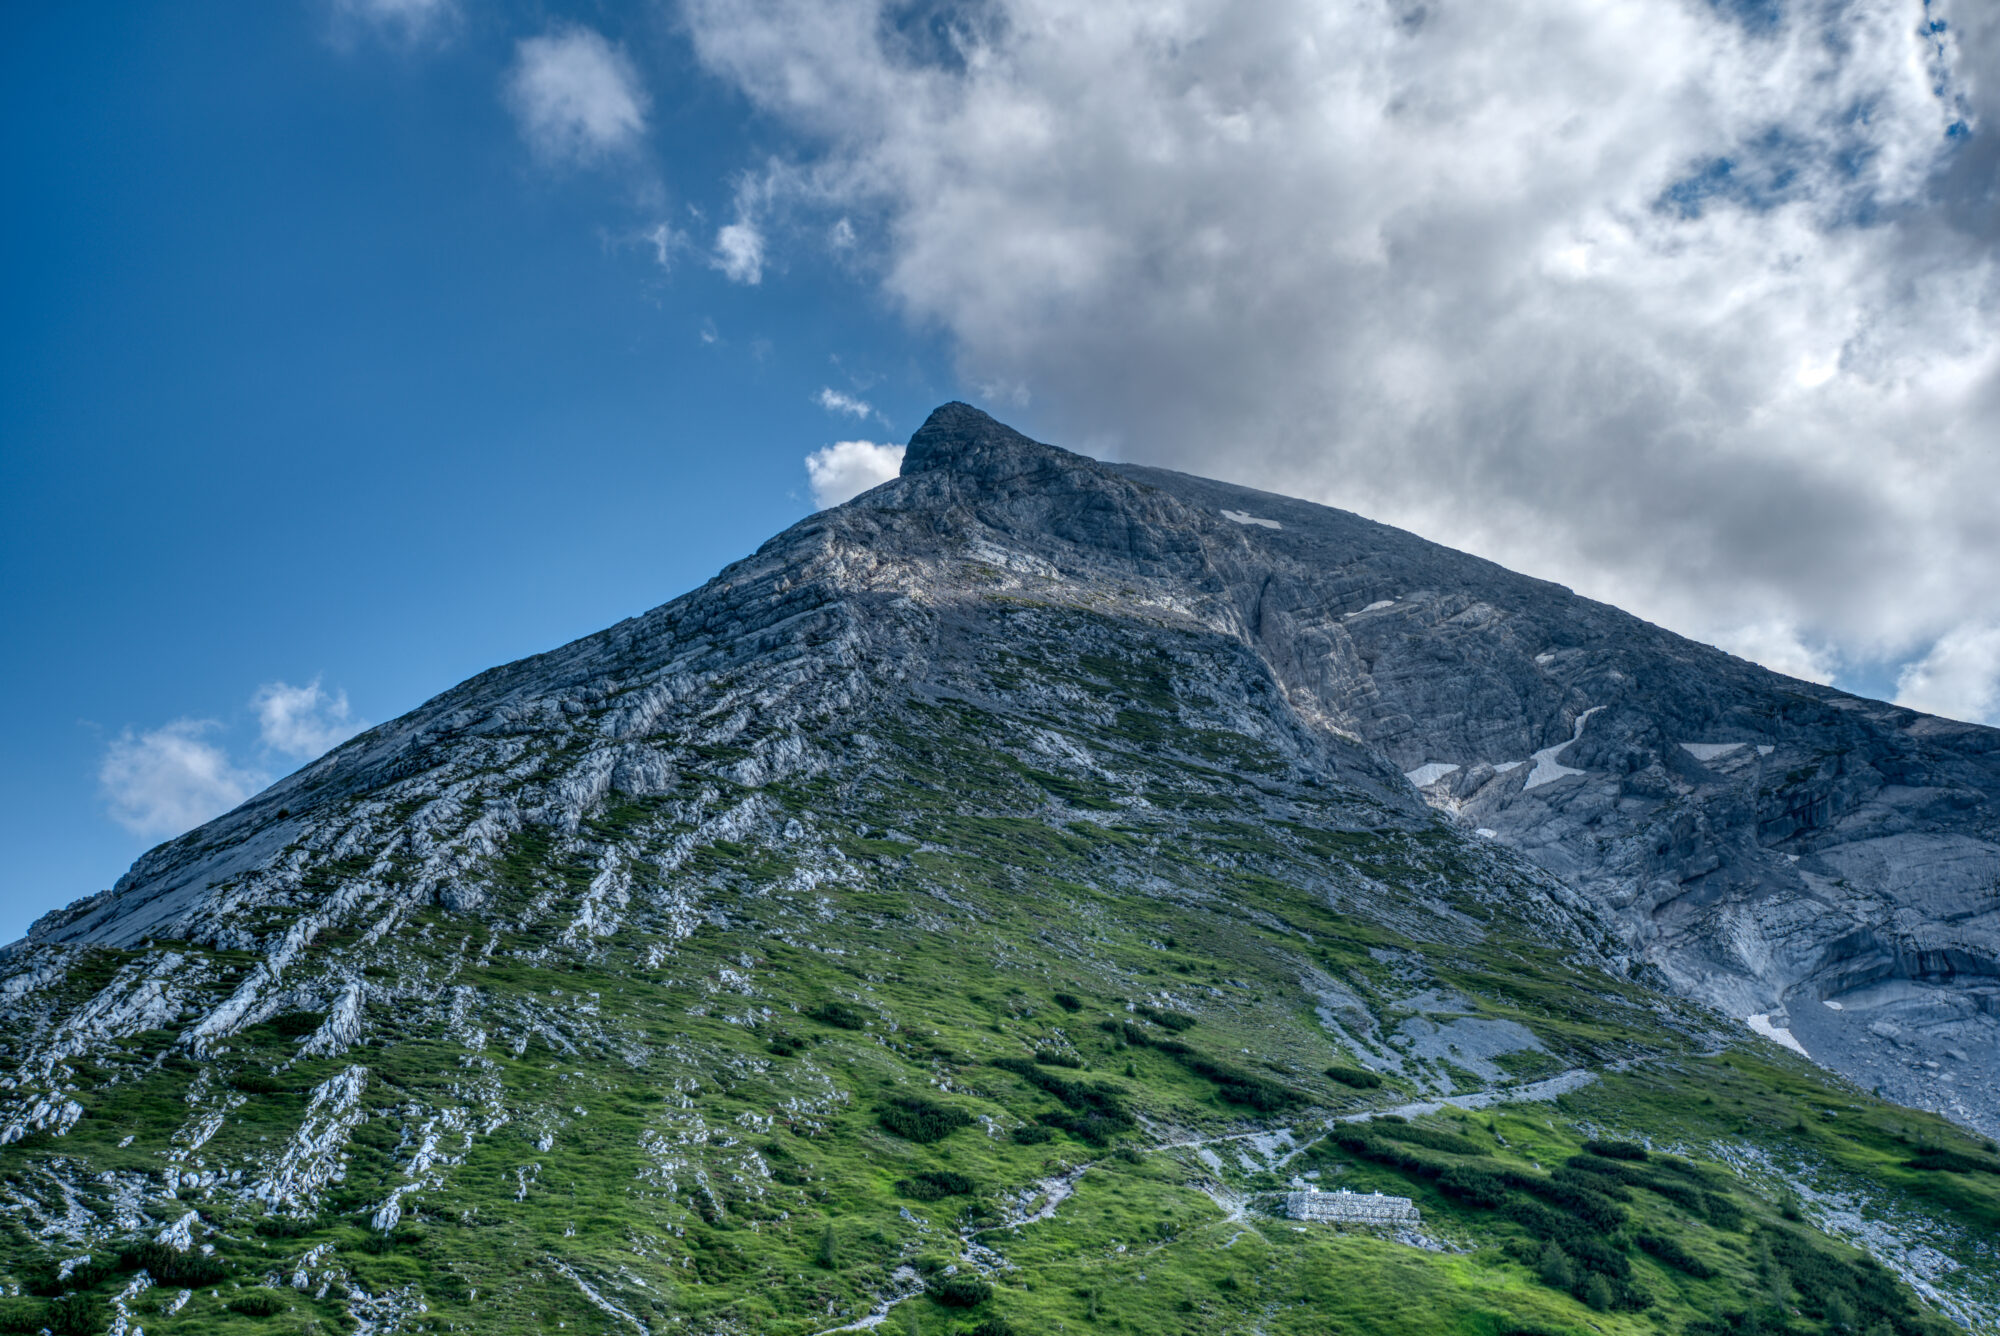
1033,836
1703,854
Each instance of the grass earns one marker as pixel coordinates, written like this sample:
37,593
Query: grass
827,1081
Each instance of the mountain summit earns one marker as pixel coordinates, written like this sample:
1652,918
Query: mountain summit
996,905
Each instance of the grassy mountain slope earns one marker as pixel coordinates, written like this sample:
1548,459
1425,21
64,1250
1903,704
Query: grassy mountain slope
932,925
1089,974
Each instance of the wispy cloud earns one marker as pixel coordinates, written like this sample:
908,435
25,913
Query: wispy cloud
577,97
739,252
833,401
845,469
171,779
303,722
167,780
405,21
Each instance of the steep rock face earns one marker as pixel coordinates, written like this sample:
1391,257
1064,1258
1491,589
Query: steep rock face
635,971
1776,848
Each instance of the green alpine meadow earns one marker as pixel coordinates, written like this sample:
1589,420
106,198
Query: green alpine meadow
1042,896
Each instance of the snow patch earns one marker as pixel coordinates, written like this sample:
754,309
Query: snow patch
1709,751
1547,770
1777,1034
1429,773
1239,517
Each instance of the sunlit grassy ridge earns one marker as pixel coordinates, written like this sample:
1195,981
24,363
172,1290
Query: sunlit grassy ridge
1060,944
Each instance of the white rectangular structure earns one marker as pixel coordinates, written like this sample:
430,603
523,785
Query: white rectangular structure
1351,1208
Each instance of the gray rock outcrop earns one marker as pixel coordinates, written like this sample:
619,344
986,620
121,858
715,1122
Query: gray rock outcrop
1824,868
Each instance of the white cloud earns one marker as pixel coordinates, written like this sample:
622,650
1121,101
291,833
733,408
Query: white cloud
846,469
1959,678
170,780
1635,297
577,97
739,252
402,20
663,239
833,401
1778,646
303,722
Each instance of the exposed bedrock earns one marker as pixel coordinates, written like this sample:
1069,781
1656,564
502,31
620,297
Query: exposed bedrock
1826,864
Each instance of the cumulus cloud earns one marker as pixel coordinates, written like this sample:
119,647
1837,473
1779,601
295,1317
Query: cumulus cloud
1959,678
833,401
739,252
303,722
1694,307
576,96
172,779
846,469
167,780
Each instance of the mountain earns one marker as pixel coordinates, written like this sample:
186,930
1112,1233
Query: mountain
978,909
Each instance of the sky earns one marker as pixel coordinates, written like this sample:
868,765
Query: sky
354,346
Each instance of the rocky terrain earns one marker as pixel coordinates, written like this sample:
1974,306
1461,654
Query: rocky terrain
1822,866
975,910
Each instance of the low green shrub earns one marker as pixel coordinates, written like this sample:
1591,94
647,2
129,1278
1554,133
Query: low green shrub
1232,1083
921,1120
1431,1138
1951,1162
935,1185
295,1024
23,1315
1169,1020
188,1270
1675,1256
959,1291
286,1227
838,1014
77,1315
258,1303
1090,1127
1357,1077
1099,1109
1475,1187
1616,1150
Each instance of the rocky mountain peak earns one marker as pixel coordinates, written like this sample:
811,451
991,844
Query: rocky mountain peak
960,437
789,952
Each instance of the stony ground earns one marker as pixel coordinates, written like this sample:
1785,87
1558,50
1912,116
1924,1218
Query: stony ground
907,930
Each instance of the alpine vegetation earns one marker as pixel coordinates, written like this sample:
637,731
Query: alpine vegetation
1045,896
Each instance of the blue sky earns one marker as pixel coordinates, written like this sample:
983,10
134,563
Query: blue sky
313,371
354,346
